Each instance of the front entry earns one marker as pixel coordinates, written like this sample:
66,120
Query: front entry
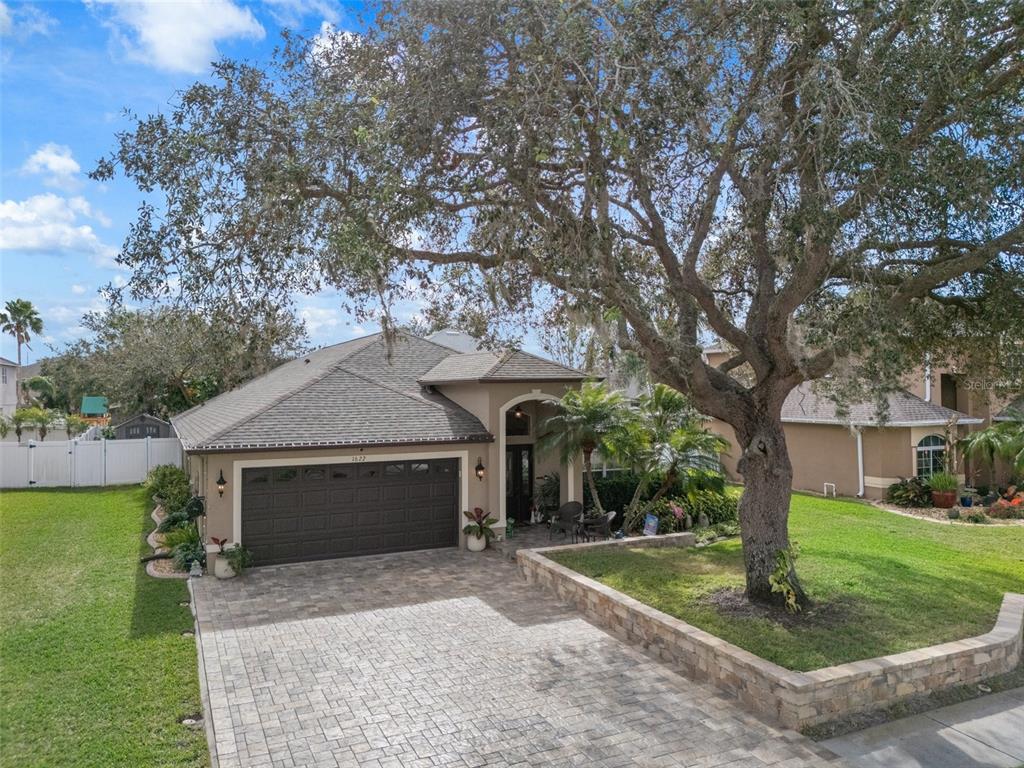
518,482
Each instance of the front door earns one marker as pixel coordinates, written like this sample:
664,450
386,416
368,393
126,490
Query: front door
518,482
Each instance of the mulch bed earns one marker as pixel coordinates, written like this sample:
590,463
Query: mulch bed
733,603
936,515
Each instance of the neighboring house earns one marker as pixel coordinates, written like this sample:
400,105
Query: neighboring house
853,455
460,341
143,425
95,410
360,449
8,386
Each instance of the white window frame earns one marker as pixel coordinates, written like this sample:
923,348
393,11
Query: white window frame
931,450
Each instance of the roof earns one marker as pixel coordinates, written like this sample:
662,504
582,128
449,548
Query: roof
1006,414
460,341
511,365
904,410
93,405
5,361
355,393
138,416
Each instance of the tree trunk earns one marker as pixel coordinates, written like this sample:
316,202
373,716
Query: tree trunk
764,508
588,470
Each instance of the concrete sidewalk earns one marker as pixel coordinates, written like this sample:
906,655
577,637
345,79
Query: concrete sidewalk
982,733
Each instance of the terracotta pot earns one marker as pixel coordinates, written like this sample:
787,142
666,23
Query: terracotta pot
944,499
476,543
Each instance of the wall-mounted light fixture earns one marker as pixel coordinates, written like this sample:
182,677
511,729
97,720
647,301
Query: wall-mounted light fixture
221,483
518,413
480,469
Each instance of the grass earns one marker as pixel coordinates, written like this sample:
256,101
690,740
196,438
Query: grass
881,583
95,671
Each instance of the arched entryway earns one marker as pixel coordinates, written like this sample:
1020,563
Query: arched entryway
519,463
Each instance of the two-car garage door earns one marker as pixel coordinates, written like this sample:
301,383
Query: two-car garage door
315,512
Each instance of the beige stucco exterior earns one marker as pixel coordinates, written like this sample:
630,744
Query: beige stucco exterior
488,402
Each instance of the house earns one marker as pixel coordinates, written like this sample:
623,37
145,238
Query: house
95,410
8,386
365,447
856,454
143,425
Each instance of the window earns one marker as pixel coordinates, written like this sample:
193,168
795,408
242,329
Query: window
314,473
285,474
339,473
419,467
4,370
931,455
255,476
394,469
517,422
133,431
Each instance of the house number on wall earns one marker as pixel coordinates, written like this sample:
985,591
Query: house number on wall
358,458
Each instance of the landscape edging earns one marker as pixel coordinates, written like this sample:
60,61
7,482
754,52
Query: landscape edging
795,699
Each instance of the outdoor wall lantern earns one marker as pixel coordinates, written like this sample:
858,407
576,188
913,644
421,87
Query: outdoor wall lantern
518,412
480,469
221,482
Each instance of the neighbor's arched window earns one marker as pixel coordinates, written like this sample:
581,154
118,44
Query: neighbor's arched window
931,455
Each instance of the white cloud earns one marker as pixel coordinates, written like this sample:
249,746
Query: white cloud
178,35
56,164
24,21
50,223
330,43
290,13
78,290
319,319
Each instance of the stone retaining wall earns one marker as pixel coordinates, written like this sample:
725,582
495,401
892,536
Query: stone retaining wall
795,699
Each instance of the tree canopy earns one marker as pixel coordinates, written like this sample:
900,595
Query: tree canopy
167,359
831,189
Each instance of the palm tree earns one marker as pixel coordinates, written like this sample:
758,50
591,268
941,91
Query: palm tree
1005,439
583,421
39,391
19,419
664,438
5,426
20,319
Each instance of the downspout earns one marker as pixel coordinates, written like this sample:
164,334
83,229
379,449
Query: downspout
927,378
860,464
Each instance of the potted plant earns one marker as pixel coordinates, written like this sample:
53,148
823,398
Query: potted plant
944,486
231,561
478,530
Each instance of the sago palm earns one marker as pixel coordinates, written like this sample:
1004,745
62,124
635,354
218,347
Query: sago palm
583,421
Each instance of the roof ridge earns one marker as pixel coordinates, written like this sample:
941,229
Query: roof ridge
502,359
397,391
552,362
286,395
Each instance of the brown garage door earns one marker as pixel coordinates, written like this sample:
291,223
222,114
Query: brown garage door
294,513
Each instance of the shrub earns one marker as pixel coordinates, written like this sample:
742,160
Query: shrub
976,517
720,508
910,492
183,515
548,492
1004,511
238,557
186,545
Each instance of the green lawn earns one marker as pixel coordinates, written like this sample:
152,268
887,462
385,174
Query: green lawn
94,669
881,583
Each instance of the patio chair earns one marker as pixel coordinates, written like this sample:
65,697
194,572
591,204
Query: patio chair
566,519
599,527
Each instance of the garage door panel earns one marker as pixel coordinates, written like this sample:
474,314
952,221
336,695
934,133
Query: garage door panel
291,514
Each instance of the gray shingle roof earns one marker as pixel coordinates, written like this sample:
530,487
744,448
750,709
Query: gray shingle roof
1004,415
512,365
349,394
904,409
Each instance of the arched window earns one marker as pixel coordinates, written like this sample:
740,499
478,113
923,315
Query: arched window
931,455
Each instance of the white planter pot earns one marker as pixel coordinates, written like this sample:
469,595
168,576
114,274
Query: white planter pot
476,543
222,568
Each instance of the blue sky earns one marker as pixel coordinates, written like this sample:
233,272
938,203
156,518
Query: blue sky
69,70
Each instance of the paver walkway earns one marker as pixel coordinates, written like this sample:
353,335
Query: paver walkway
983,733
448,658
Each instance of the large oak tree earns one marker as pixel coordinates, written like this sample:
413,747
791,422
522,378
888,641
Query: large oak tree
827,187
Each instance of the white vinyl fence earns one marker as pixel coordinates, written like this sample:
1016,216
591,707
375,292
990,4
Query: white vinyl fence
73,463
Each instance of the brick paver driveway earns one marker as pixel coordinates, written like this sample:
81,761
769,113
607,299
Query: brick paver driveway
447,658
